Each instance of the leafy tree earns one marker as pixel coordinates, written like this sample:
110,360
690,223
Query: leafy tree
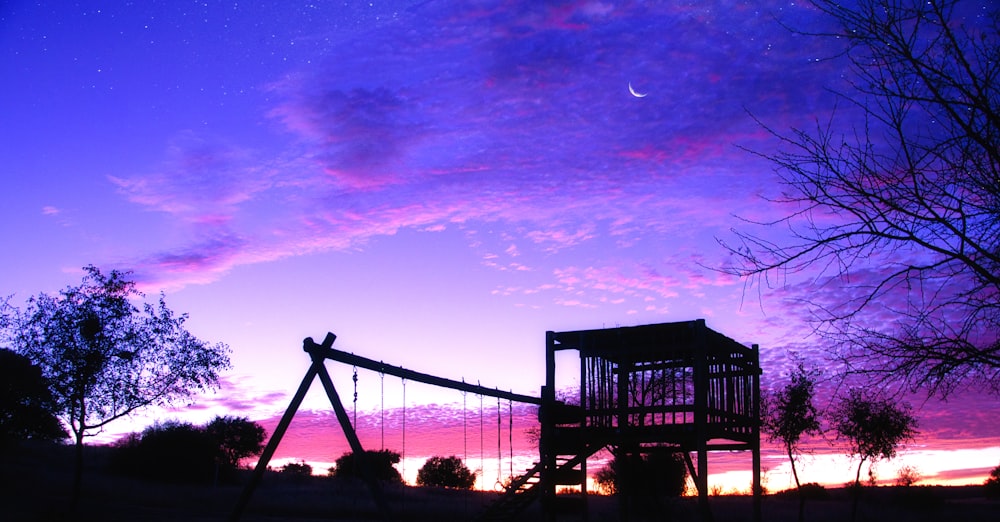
105,358
904,207
27,410
445,472
382,464
873,428
789,414
236,438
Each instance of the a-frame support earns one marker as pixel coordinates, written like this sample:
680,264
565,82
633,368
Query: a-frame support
317,368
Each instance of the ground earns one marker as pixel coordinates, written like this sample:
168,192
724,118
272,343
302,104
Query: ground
35,484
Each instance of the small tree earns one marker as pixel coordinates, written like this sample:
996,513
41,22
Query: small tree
27,410
381,462
104,358
236,438
874,428
789,414
992,484
445,472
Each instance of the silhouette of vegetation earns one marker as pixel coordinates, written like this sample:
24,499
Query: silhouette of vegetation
236,438
445,472
105,358
296,469
644,482
813,491
874,428
992,484
183,453
27,410
175,452
655,474
907,476
789,413
381,462
903,208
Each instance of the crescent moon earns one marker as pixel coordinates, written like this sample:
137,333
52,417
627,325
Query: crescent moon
632,91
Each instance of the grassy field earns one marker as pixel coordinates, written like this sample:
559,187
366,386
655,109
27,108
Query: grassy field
35,485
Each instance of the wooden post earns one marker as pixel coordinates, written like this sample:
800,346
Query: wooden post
367,474
272,445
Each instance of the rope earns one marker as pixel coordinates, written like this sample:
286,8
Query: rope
499,484
465,429
482,453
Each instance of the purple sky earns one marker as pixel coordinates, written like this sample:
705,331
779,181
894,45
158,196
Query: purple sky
437,182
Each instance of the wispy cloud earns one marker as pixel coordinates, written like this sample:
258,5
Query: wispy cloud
522,116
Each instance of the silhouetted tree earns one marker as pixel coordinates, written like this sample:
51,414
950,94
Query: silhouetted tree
903,207
27,410
381,462
445,472
236,438
789,413
104,358
873,428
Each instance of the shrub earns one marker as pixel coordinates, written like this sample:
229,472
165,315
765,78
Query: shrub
447,472
660,473
170,452
992,484
814,491
297,469
381,463
907,476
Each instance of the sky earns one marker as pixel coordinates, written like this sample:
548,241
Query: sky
438,183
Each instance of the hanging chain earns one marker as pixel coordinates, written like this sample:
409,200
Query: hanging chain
355,420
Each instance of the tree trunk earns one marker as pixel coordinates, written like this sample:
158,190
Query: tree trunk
795,473
798,486
78,432
856,492
77,474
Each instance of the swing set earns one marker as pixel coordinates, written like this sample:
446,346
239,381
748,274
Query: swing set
671,387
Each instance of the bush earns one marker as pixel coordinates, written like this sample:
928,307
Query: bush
170,452
381,463
446,472
654,474
297,469
182,452
992,484
814,491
